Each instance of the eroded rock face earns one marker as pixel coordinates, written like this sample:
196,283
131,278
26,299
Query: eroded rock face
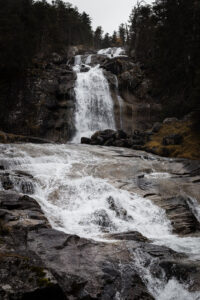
43,104
138,110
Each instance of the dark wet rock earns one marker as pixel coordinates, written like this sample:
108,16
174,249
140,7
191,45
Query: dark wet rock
6,182
12,200
118,65
119,210
68,76
27,187
50,86
57,59
130,79
186,271
37,100
63,88
173,139
120,134
118,139
84,68
85,140
118,143
178,211
129,236
112,80
25,278
156,127
106,134
180,214
101,218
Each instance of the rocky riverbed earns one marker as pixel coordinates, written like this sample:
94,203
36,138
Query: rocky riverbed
91,222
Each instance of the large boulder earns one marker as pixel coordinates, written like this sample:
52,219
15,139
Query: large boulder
118,65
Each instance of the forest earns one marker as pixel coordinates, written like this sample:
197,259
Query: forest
166,41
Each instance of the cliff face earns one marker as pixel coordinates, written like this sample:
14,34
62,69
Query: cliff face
138,110
43,106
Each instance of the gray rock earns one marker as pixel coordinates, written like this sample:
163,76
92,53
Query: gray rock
128,236
56,58
156,127
12,200
85,140
65,87
170,120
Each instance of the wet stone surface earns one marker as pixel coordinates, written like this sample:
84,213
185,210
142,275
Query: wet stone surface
39,262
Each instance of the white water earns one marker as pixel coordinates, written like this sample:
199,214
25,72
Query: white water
78,199
88,60
120,102
112,52
94,104
159,287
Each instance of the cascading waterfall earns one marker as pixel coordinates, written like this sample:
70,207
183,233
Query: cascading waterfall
94,104
74,186
112,52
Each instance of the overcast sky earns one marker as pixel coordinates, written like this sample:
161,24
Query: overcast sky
107,13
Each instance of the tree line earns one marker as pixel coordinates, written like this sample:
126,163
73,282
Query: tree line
165,38
28,28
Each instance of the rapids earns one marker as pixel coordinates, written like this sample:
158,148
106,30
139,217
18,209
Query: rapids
82,190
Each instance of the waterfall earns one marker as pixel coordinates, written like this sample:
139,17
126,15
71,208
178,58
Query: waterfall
88,60
120,103
94,104
112,52
91,191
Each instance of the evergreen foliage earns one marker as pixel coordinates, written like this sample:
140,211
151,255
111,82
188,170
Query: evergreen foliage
29,28
166,40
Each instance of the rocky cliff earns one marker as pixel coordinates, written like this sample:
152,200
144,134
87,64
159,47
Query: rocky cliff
43,103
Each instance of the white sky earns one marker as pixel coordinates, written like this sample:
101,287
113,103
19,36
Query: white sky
107,13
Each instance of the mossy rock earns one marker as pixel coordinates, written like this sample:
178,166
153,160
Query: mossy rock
189,148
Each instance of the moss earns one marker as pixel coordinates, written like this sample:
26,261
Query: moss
38,271
43,282
190,148
40,274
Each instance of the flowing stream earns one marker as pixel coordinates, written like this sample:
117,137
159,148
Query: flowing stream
78,187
